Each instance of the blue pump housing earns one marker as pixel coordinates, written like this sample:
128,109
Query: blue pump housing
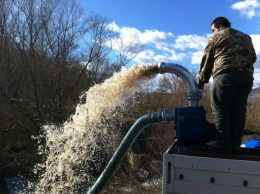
252,143
192,127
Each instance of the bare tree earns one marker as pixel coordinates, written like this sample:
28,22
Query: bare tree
127,51
49,54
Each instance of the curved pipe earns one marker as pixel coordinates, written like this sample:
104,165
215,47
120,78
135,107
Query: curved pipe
126,143
193,95
179,71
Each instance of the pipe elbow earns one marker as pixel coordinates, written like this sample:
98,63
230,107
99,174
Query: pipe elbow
194,95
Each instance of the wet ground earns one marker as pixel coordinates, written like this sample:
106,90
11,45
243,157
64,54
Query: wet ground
12,185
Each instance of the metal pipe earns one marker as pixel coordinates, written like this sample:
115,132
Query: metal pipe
193,95
126,143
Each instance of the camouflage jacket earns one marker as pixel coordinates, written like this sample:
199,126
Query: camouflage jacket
227,50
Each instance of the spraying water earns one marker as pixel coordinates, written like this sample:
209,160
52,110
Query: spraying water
77,151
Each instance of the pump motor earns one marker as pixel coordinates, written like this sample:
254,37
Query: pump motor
192,127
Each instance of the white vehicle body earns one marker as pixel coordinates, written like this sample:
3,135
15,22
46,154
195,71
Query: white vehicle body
205,172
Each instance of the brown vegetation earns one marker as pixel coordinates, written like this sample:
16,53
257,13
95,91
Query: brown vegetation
253,115
49,55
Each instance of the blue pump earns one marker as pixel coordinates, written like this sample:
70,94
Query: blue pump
252,143
192,129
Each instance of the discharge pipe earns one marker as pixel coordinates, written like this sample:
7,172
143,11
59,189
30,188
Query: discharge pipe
193,95
126,143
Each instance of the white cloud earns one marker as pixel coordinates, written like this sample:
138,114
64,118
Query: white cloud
147,37
196,57
249,8
158,47
154,36
191,42
256,78
161,58
146,56
192,45
256,42
180,56
162,46
149,56
114,27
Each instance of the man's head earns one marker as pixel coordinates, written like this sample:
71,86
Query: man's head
219,23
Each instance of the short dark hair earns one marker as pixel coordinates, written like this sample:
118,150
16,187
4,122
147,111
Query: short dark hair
221,21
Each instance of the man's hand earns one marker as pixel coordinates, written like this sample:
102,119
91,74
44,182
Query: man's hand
200,85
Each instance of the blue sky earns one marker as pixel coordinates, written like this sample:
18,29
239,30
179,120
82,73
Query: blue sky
176,30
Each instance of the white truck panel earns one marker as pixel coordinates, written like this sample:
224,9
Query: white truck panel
189,174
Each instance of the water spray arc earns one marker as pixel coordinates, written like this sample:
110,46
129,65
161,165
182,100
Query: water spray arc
193,96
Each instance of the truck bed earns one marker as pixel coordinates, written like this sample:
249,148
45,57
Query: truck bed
208,172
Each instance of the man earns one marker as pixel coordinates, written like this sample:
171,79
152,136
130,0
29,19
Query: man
229,58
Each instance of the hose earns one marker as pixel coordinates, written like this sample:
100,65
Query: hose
126,143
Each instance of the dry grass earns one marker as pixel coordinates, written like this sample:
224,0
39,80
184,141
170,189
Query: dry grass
253,114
